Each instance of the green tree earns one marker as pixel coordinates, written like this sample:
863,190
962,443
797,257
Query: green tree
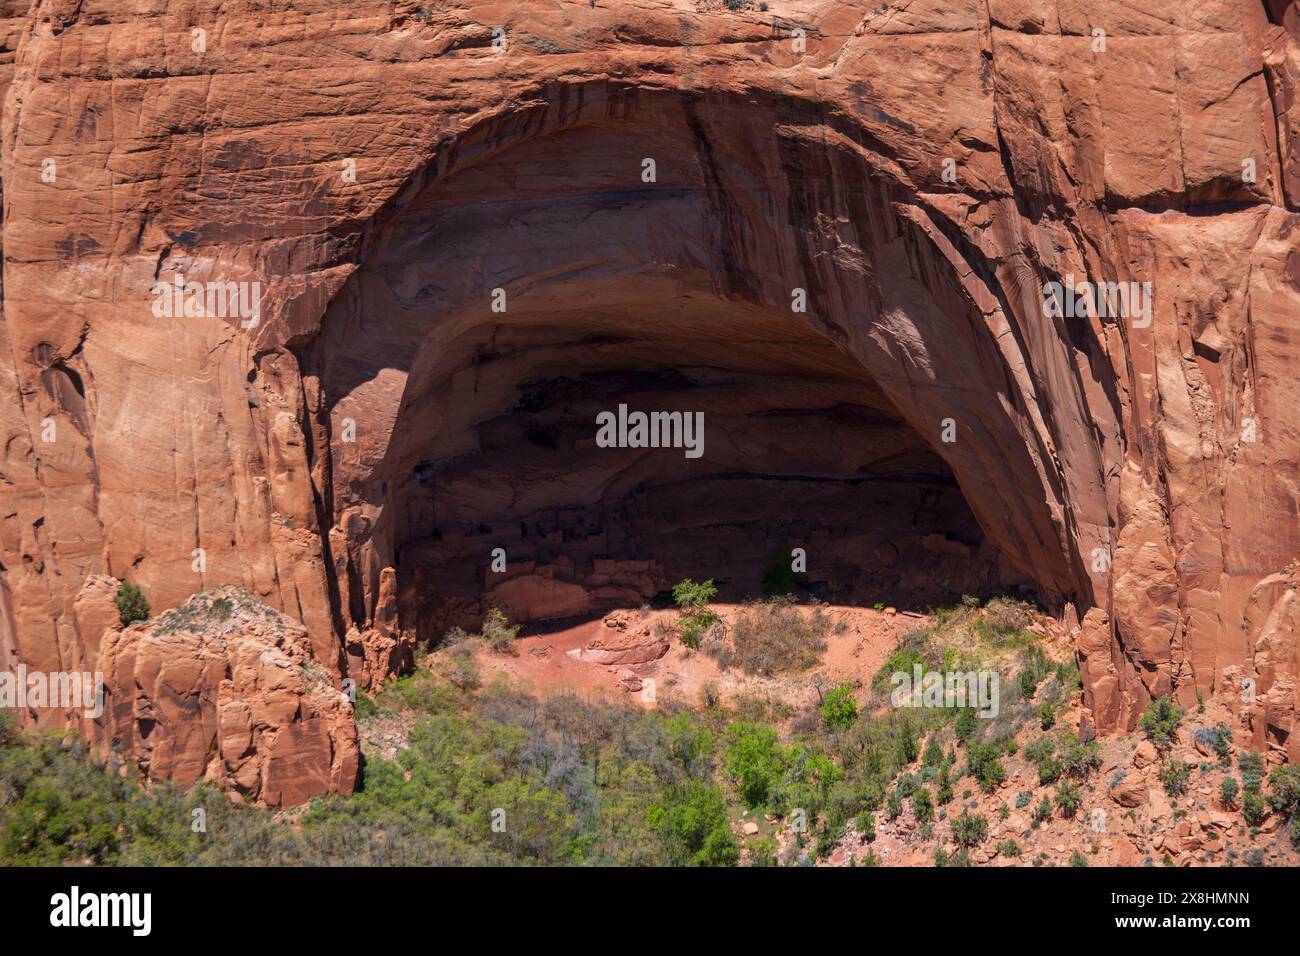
693,825
131,604
755,762
922,805
693,599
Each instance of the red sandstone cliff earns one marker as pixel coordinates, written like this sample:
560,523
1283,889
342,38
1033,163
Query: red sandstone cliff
381,168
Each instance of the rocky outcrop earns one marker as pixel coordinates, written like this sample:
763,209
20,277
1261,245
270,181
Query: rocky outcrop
843,247
223,689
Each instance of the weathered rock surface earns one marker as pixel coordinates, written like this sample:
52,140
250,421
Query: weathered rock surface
225,689
354,457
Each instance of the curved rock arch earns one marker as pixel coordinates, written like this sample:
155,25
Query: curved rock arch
918,309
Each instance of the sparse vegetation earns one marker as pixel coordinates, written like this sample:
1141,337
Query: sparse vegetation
774,637
131,604
1068,798
1174,774
693,599
499,633
1160,720
970,829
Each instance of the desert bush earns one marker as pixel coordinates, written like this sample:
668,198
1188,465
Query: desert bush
1252,770
1049,771
1042,812
693,599
1034,667
985,766
1284,787
865,824
967,724
915,648
131,604
933,755
1077,758
1160,719
839,709
969,829
1218,738
1254,809
943,788
1228,791
773,637
922,805
1174,774
1047,716
1068,798
499,633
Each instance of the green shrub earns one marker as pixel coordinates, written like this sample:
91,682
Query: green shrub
1039,749
1284,786
933,755
1078,758
966,725
1252,770
985,766
755,762
943,788
1078,859
894,805
922,805
1254,809
970,829
498,633
694,828
866,825
131,604
839,709
693,599
1068,798
1174,774
1228,790
1049,771
1008,847
1042,812
1047,716
1160,720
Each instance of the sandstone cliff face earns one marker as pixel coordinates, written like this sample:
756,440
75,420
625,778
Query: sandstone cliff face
353,454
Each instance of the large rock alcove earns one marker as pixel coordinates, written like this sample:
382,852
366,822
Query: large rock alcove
706,256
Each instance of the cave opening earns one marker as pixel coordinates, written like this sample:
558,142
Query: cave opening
649,254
